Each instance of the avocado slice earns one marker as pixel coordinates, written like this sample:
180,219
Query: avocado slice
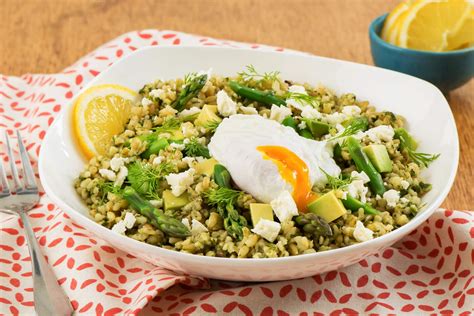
176,135
317,128
408,140
378,155
206,167
259,211
207,115
172,202
328,206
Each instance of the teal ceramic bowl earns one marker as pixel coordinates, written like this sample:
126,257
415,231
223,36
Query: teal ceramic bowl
446,70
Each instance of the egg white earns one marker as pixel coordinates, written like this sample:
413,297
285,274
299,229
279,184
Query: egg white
234,145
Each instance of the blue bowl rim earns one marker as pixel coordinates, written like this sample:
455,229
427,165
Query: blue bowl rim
376,37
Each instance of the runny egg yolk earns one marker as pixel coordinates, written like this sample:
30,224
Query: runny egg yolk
293,170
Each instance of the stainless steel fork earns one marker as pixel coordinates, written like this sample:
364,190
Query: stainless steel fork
49,297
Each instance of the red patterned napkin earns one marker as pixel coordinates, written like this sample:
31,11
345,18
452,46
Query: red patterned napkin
429,271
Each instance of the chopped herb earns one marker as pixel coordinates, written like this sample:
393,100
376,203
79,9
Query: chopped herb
145,179
169,125
408,145
358,124
252,74
195,149
212,126
303,99
337,182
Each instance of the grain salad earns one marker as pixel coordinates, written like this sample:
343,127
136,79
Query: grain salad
254,166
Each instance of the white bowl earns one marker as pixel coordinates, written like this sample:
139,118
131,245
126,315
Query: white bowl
422,104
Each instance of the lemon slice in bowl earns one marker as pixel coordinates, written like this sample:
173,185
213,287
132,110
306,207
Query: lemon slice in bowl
99,113
428,24
389,32
465,36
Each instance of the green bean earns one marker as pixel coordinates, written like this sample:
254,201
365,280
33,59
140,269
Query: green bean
222,176
265,97
290,122
363,163
154,147
354,205
306,133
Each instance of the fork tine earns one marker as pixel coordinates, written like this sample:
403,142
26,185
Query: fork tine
4,182
28,172
16,180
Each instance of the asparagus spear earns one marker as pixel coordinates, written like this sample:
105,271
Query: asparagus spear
192,87
363,163
354,205
265,97
313,224
166,224
224,198
409,145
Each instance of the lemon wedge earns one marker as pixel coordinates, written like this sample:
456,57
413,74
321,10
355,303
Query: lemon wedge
99,113
428,24
465,36
389,32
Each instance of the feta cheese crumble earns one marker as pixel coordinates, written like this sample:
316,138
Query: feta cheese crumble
405,184
121,175
380,133
119,228
360,176
158,160
179,182
310,113
146,102
197,227
267,229
335,118
358,190
361,233
192,111
279,113
351,110
129,220
156,93
117,162
284,206
392,197
177,146
249,110
108,174
225,105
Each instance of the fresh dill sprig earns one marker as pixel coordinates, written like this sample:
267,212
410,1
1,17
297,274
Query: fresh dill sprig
212,126
195,149
421,159
337,182
106,187
169,125
222,196
409,145
224,199
252,74
356,125
303,99
145,179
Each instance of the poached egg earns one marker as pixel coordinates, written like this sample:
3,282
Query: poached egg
265,158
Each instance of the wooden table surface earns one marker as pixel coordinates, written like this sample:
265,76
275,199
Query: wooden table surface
45,36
